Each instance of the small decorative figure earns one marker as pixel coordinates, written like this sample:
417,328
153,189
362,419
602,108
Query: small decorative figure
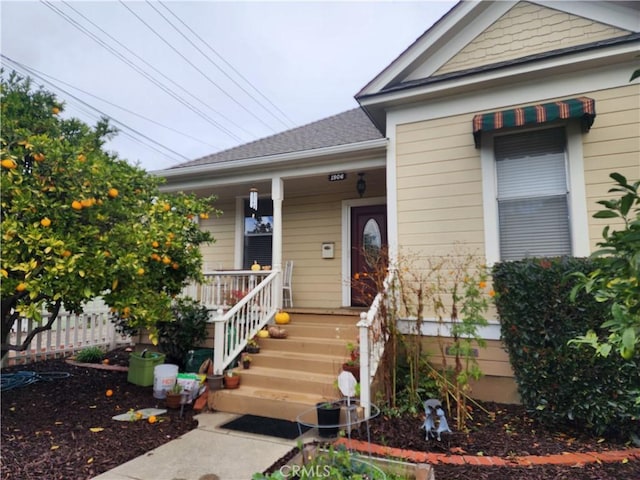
428,424
443,426
433,408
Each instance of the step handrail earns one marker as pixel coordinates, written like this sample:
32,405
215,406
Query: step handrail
233,328
373,336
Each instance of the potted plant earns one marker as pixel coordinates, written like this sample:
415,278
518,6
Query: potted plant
252,345
231,380
353,362
174,396
328,418
246,361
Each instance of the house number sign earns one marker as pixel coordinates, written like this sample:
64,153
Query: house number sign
336,177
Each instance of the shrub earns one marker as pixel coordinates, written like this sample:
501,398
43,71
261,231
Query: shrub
558,382
187,329
90,355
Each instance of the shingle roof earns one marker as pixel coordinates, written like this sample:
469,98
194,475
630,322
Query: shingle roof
352,126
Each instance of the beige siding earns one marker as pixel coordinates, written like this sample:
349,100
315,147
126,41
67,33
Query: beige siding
493,360
612,145
439,175
219,255
308,221
528,29
439,186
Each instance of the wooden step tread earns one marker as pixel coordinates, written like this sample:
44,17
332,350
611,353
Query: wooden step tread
281,372
272,394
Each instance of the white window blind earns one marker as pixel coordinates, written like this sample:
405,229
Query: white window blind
533,212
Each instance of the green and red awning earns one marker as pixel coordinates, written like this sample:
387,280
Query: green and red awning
582,108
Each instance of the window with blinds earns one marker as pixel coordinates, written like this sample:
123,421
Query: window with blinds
258,234
533,212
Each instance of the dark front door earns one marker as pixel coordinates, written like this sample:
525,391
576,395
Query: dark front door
368,252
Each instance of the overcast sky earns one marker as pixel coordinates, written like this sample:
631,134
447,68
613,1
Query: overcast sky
206,75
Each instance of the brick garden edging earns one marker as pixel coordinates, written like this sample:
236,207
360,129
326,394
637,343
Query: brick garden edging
568,458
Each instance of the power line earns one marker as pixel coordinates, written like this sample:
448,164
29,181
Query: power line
230,97
127,128
141,71
131,112
228,132
287,125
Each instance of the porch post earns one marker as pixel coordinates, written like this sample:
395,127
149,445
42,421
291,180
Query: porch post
217,317
365,364
277,189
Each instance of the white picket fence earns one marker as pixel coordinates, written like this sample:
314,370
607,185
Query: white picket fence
69,334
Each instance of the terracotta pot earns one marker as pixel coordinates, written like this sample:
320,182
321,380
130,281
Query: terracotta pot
173,400
231,382
215,382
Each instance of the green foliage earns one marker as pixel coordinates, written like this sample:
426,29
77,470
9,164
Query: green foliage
558,382
455,287
79,223
90,355
411,395
184,331
615,280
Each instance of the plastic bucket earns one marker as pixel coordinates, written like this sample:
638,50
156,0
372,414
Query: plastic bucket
164,377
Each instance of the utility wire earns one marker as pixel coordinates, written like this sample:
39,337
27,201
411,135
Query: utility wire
230,97
228,132
269,111
131,112
29,71
140,70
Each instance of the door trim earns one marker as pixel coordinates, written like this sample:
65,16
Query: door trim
346,240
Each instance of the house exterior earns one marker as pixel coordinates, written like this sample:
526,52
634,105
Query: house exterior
498,129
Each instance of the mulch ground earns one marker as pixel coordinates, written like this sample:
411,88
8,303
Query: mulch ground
47,426
63,430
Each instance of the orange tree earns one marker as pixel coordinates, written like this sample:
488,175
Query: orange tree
80,223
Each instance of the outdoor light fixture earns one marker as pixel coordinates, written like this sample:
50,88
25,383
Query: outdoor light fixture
253,199
361,186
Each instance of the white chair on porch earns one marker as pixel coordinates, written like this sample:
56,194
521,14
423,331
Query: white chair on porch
287,293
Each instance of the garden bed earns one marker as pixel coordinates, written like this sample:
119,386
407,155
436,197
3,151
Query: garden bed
47,433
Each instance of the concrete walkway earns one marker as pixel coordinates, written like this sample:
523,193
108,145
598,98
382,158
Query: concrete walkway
206,453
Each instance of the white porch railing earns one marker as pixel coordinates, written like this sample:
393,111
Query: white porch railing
69,334
372,338
224,288
244,319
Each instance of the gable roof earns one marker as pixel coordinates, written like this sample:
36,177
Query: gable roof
417,74
350,127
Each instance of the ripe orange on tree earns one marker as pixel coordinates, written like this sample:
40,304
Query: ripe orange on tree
45,222
9,163
109,393
38,157
113,192
76,205
21,287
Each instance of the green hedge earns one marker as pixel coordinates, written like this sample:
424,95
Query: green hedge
562,383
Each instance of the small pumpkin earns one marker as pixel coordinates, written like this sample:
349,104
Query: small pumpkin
282,318
256,266
263,334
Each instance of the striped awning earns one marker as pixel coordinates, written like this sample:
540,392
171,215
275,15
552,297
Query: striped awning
581,108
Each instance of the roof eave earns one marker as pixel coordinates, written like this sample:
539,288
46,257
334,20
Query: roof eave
290,159
461,82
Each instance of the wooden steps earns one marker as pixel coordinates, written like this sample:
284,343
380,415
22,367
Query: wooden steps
291,375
